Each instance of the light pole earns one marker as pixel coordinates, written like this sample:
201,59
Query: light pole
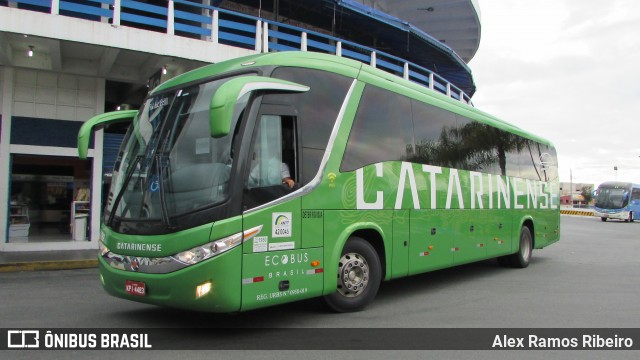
571,186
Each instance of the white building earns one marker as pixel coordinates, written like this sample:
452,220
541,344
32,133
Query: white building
62,62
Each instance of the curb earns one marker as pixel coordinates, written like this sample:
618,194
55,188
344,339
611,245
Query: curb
48,265
576,212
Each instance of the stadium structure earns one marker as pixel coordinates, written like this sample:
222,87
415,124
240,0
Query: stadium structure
64,61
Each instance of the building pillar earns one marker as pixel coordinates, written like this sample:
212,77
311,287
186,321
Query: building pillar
96,171
55,7
171,18
5,151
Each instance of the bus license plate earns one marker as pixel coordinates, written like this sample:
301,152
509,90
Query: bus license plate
136,288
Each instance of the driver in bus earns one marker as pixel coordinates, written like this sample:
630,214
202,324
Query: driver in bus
277,172
286,176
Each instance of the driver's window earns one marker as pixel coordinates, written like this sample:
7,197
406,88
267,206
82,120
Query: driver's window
266,160
272,169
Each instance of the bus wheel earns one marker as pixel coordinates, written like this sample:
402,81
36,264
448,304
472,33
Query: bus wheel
521,258
603,219
359,276
630,216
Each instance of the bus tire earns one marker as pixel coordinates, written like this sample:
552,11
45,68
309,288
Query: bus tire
504,261
630,216
603,219
359,277
522,257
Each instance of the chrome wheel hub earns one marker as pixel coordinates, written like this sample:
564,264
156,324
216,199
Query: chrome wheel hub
353,275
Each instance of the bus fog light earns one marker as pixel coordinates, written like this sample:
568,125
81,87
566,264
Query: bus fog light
203,289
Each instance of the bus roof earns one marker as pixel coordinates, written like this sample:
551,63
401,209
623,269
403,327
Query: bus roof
618,184
350,68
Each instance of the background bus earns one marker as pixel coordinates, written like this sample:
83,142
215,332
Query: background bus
391,179
618,200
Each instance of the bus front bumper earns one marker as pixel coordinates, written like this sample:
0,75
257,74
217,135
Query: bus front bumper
220,274
622,215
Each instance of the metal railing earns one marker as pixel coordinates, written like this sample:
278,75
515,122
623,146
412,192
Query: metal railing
190,19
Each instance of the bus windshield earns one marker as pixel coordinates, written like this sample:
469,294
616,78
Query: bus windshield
169,165
612,198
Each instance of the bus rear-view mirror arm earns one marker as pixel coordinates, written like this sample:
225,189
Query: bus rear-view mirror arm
84,135
224,99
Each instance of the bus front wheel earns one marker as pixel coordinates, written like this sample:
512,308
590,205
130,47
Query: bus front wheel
603,219
359,276
522,257
630,217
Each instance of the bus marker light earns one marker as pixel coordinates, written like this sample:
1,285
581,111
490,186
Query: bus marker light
426,253
203,289
430,247
248,234
455,249
480,245
253,280
315,263
315,271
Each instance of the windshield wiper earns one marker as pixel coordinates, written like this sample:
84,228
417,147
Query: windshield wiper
163,200
125,184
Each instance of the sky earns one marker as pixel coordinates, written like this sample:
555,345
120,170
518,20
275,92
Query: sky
569,71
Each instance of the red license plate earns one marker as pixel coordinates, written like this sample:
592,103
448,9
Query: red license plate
136,288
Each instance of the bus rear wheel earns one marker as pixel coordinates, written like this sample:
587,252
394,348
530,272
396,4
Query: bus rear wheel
359,276
630,216
522,257
603,219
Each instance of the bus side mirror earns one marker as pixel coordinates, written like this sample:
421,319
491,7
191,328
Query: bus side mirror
84,135
224,99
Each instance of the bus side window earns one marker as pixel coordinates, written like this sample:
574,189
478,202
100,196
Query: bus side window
380,132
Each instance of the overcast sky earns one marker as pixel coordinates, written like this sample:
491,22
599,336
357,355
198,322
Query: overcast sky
569,71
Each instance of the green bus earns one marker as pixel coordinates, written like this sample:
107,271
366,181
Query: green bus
284,176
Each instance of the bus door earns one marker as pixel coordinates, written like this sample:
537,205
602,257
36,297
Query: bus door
634,203
275,267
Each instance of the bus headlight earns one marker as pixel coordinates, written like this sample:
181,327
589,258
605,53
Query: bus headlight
102,248
209,250
206,251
